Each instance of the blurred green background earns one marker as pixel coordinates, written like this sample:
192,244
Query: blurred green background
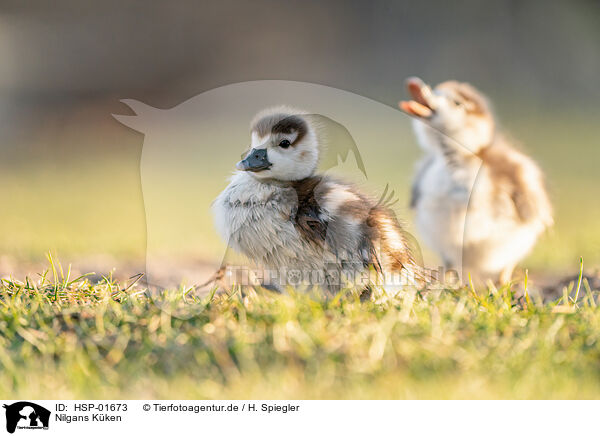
69,173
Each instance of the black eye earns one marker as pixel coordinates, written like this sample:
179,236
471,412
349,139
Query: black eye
284,143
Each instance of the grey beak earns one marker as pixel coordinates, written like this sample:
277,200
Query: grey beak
255,161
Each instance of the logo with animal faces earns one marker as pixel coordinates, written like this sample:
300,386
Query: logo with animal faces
24,415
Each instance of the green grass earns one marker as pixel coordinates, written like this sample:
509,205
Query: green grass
64,337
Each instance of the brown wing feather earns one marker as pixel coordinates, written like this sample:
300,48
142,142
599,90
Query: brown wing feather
309,218
517,175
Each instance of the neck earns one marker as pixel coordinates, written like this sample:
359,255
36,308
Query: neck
270,181
455,151
283,183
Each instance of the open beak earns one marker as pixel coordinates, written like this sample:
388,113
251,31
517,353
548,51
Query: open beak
422,105
255,161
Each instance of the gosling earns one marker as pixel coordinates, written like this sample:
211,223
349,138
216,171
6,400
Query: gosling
294,222
479,203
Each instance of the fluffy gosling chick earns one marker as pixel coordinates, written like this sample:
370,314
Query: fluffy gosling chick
288,219
479,203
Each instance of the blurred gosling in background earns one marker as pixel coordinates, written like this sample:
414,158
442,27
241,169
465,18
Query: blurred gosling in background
479,203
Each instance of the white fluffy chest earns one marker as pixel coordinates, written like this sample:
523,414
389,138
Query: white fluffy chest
445,186
444,195
257,219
